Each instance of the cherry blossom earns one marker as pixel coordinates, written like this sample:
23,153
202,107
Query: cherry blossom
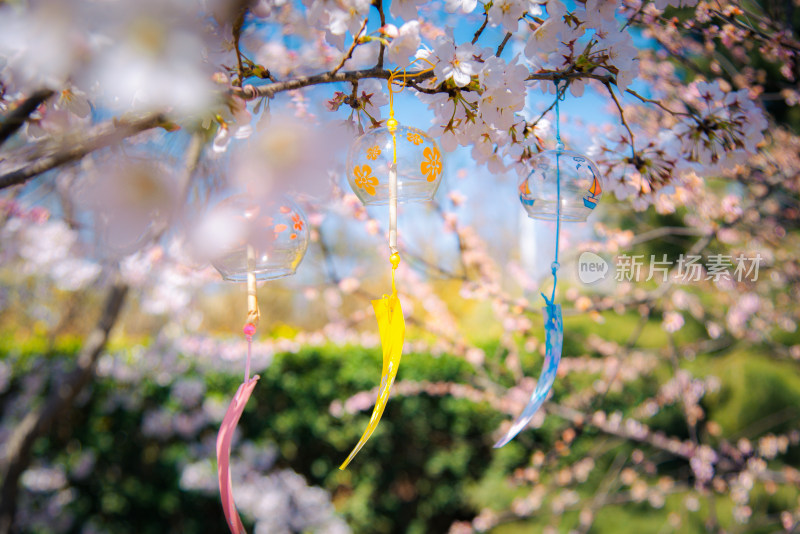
506,13
405,9
466,6
458,63
405,43
40,46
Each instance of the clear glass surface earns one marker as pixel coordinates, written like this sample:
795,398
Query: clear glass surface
580,190
241,234
419,165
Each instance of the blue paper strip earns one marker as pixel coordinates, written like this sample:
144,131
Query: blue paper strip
554,328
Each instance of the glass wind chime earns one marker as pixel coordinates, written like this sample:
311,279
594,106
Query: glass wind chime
562,186
264,241
390,165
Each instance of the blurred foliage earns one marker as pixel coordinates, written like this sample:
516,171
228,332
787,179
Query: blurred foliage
430,462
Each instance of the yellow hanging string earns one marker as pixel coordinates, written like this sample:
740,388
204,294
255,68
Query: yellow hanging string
397,78
388,312
400,78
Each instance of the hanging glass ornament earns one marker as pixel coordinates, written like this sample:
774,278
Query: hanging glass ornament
242,235
388,166
562,186
249,240
581,186
413,155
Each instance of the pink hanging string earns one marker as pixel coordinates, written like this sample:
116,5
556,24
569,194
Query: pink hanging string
225,437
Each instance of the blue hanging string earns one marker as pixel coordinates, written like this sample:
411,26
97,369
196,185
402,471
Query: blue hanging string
560,95
553,324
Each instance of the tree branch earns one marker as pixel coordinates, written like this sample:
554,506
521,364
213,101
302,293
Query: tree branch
269,90
17,117
379,6
251,92
58,403
50,155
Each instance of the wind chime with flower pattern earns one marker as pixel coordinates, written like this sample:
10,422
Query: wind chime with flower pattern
562,186
248,240
391,165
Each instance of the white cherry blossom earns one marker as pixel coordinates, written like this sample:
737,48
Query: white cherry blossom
405,43
622,54
600,15
506,13
458,63
40,46
405,9
75,101
466,6
338,17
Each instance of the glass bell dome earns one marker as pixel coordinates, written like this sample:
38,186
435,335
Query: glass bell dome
241,234
419,166
580,190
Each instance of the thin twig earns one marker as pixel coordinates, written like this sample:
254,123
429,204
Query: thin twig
431,269
656,103
349,53
237,34
480,30
758,33
632,17
545,112
611,476
664,231
622,119
503,44
330,268
192,158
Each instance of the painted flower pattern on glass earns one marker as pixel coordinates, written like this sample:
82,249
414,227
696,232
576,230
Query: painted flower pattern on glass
373,152
297,225
414,138
431,165
364,179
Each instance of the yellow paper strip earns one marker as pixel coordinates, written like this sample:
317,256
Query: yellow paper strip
392,327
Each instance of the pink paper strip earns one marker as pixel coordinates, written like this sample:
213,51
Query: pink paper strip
224,439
